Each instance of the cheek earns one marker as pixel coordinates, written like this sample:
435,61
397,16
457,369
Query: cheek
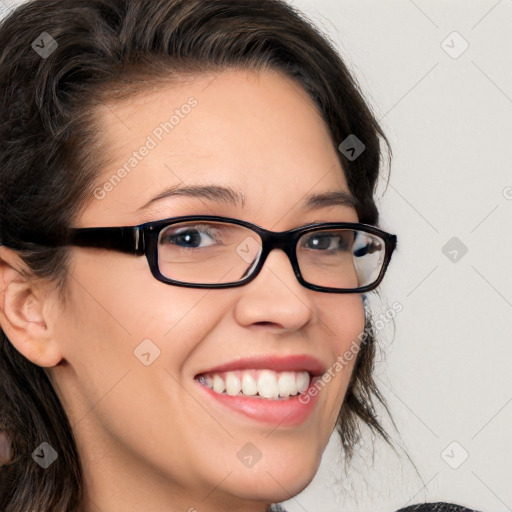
126,349
119,319
343,317
121,298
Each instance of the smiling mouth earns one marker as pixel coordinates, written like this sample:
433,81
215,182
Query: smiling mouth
257,383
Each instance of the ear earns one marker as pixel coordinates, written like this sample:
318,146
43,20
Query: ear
26,304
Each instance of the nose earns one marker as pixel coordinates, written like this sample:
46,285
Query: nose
274,297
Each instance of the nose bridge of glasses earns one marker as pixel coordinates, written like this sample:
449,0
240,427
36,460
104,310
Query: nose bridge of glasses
277,240
285,241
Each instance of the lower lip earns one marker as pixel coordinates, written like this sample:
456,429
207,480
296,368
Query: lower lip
283,413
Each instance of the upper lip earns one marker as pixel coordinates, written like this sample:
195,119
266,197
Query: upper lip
278,363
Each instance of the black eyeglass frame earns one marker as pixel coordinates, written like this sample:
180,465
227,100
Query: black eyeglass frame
143,240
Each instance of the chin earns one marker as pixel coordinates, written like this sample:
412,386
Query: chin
276,480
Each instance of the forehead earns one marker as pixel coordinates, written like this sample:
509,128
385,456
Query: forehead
258,133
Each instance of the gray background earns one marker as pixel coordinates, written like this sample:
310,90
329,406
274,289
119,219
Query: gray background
445,362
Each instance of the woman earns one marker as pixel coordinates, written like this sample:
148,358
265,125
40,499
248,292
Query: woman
157,353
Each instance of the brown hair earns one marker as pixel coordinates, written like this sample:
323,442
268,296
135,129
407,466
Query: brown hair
48,162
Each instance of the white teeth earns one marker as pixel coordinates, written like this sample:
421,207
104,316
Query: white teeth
267,384
233,386
218,384
302,381
263,383
286,384
249,386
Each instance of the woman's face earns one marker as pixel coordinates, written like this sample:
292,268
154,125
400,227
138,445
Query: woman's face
149,433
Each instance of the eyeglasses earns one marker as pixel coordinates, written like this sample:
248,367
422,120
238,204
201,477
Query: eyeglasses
207,251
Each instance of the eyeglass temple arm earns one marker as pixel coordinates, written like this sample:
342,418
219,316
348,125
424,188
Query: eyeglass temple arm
125,239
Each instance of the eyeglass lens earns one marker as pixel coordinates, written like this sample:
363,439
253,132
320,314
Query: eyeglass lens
207,252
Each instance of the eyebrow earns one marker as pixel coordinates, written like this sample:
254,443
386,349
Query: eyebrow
226,194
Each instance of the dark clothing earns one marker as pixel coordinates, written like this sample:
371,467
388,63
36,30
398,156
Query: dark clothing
436,507
421,507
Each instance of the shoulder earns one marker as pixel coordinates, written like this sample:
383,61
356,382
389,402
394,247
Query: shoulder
436,507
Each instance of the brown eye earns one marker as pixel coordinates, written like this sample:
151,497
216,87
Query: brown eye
192,237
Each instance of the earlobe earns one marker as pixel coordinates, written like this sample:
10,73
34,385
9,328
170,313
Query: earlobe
23,312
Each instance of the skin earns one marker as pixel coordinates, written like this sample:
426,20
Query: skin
148,439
